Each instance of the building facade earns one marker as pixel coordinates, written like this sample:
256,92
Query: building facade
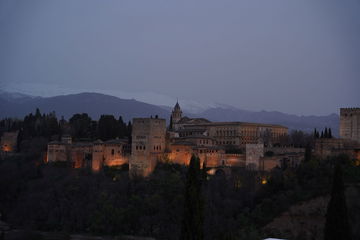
350,123
8,143
219,144
92,155
148,144
226,133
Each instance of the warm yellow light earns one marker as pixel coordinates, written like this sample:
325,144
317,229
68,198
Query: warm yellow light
357,163
263,181
237,184
7,148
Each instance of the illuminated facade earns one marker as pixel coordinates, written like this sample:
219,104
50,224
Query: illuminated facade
219,144
8,142
148,144
92,155
227,133
350,124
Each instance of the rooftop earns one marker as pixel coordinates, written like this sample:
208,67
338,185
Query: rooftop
236,124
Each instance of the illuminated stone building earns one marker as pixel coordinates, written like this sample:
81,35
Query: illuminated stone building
350,123
327,147
8,142
219,144
211,141
92,155
148,144
227,133
349,141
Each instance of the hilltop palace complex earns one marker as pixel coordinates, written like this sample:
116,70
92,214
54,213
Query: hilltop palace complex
222,145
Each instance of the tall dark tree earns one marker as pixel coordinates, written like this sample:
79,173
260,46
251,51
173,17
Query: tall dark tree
337,224
326,134
108,127
129,129
329,133
81,126
308,150
171,123
204,174
316,133
37,113
193,218
298,138
122,128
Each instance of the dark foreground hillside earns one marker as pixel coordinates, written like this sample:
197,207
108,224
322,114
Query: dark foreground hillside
55,198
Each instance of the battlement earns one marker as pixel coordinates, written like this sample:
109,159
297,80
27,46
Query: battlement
148,141
354,110
350,123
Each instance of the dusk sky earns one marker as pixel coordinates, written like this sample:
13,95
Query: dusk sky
300,57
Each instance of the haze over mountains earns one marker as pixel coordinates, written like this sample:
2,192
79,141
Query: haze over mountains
95,104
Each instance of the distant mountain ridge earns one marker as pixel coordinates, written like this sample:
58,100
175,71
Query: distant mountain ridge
304,123
96,104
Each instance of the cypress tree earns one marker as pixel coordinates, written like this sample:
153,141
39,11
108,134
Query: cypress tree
322,134
330,134
326,133
171,123
37,113
193,218
307,156
337,224
122,128
204,172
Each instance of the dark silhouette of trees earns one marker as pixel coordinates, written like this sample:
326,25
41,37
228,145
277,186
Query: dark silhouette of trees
337,224
308,151
129,131
316,134
299,138
108,127
193,218
171,123
324,134
81,126
122,128
55,197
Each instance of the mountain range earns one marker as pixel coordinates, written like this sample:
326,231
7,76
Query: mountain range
95,104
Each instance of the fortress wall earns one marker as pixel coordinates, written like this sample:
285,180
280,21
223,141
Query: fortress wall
148,142
350,123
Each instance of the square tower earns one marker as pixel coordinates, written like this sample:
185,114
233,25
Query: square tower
350,123
148,143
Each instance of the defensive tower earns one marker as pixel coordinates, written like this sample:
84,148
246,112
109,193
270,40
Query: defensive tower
148,143
350,123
